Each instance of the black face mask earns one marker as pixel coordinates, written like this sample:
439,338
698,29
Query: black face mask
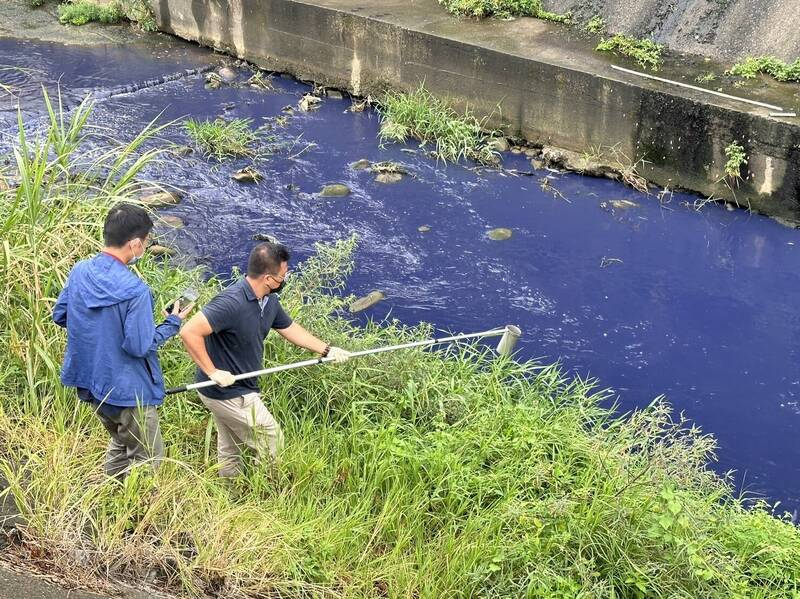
279,288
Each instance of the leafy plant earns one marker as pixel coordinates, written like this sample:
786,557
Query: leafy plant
737,158
503,9
769,65
223,138
595,25
84,11
422,116
645,52
705,78
141,13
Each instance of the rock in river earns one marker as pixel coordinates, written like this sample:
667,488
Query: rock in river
623,204
369,300
389,177
500,234
424,228
160,199
176,222
335,190
360,165
227,74
161,250
247,175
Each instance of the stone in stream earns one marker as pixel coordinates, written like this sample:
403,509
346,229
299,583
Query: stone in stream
161,250
182,150
499,144
360,165
623,204
424,228
176,222
265,237
369,300
247,175
309,102
500,234
335,190
389,177
335,94
160,199
227,74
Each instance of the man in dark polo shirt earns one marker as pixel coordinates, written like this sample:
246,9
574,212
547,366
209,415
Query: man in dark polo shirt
227,338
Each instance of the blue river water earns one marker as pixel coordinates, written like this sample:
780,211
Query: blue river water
657,298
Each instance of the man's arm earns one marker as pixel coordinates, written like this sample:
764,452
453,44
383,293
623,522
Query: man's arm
60,309
297,335
194,335
141,335
300,337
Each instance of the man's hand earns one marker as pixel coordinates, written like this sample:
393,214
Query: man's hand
181,313
223,378
339,355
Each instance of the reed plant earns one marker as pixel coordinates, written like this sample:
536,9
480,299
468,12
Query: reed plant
420,115
409,474
223,138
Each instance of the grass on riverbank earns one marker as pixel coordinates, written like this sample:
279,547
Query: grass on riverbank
222,138
412,474
85,11
503,9
768,65
645,52
422,116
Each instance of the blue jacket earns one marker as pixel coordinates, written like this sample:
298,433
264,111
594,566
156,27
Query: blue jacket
111,336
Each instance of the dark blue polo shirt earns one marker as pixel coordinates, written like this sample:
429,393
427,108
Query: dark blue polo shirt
240,324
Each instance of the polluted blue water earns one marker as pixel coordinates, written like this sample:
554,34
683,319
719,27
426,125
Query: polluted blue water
650,297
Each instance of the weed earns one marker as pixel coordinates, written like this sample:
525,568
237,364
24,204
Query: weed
422,116
645,52
502,9
705,78
769,65
222,138
141,13
260,80
409,474
595,25
84,11
737,158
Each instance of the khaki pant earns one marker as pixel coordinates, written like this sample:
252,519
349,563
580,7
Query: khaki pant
135,437
243,423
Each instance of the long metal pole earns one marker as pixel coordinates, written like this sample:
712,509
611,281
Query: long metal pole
366,352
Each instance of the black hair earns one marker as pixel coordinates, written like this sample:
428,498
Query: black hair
125,222
266,258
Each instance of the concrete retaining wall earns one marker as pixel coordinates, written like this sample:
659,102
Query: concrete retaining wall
526,74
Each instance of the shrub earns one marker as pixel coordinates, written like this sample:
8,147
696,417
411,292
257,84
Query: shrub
645,52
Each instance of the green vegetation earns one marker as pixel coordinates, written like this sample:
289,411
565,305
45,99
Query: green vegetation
595,25
645,52
705,78
502,8
140,12
223,138
769,65
737,158
84,11
422,116
410,474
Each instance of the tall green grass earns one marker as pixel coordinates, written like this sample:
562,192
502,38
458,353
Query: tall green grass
223,138
769,65
412,474
420,115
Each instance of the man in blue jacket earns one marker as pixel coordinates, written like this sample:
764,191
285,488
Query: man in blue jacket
112,341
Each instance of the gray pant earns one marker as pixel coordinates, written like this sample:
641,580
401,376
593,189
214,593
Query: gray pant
243,423
135,437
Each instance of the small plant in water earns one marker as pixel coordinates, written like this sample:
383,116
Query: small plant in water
769,65
595,25
422,116
223,138
737,158
645,52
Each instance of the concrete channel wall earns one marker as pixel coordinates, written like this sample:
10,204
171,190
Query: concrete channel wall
528,75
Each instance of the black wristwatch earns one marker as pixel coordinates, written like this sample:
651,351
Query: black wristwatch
326,350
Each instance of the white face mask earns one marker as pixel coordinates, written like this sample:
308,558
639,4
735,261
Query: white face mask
136,258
